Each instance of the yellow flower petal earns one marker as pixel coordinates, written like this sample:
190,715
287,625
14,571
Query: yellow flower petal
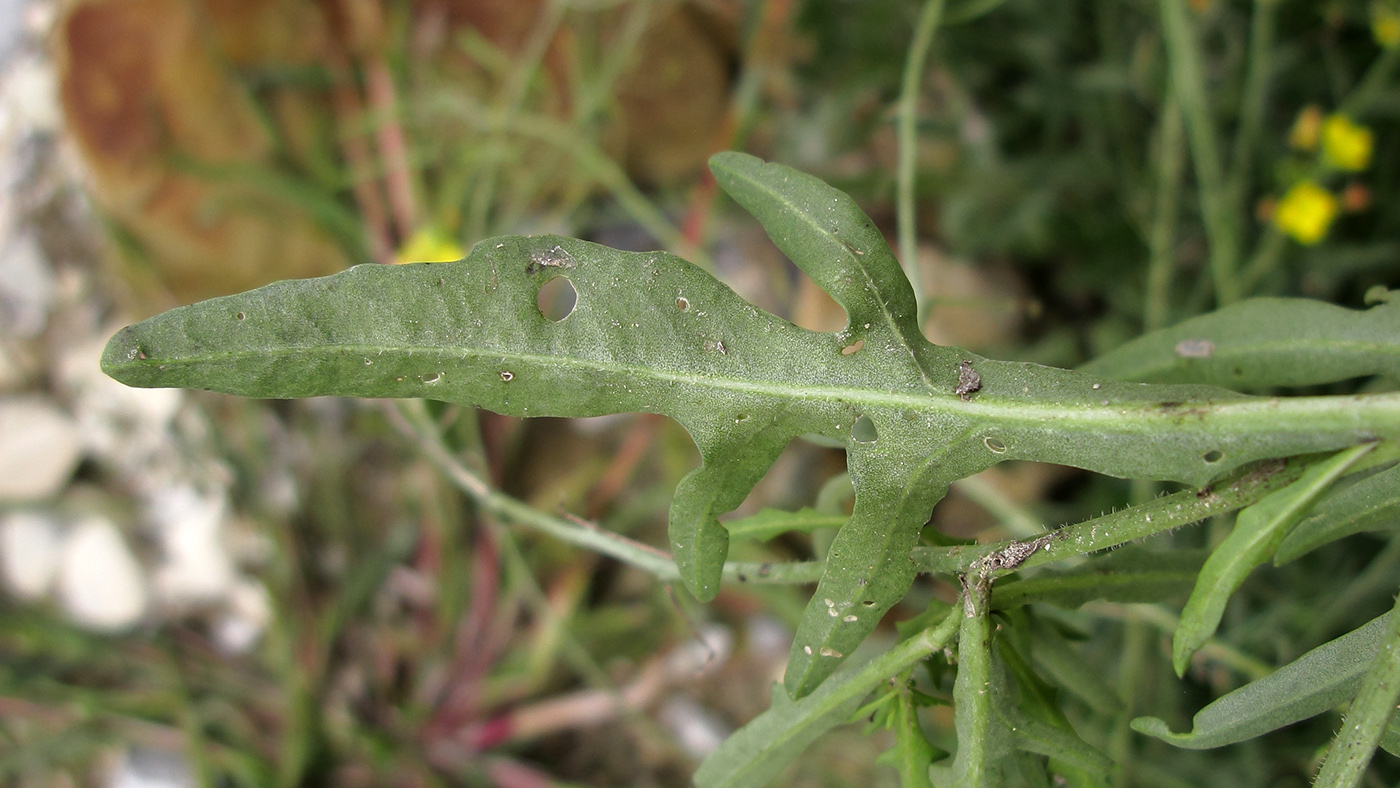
1306,212
429,245
1346,145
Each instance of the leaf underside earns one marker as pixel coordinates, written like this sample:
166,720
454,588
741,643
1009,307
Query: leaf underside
652,333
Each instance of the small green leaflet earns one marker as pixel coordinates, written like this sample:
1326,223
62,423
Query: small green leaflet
1321,679
1372,504
1258,532
653,333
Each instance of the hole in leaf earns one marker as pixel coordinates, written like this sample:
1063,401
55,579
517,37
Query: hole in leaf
851,349
863,431
557,298
1214,455
995,445
869,603
239,316
682,303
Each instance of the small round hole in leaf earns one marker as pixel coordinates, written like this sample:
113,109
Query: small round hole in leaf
863,431
557,298
995,445
682,303
853,348
1214,455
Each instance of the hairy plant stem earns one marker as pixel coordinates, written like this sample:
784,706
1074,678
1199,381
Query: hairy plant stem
909,147
1171,511
972,690
1368,716
1166,513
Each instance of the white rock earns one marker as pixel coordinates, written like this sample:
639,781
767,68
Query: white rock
27,286
196,566
39,448
145,767
30,547
100,584
31,93
249,613
696,730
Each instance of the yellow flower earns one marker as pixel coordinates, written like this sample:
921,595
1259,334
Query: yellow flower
1306,129
1345,145
1385,24
1305,212
429,245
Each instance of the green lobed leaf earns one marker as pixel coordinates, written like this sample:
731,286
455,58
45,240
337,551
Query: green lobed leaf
912,753
1263,342
1321,679
1258,532
1372,504
653,333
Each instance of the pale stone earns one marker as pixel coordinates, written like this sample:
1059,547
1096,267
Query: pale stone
196,567
39,448
30,547
248,616
100,584
146,767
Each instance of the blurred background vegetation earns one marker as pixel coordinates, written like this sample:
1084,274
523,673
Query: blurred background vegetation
209,591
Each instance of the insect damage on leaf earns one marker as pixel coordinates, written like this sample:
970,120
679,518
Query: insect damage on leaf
649,332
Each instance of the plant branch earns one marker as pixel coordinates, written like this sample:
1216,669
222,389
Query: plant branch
1161,242
909,146
1171,511
1188,82
575,530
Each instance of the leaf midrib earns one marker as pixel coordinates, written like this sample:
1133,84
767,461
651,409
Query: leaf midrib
984,405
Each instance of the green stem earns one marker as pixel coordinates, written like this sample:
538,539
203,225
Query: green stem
1368,716
1132,685
1012,516
577,531
1161,243
591,159
1256,96
511,98
1266,257
1377,79
909,144
1188,82
972,690
1245,487
1214,651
